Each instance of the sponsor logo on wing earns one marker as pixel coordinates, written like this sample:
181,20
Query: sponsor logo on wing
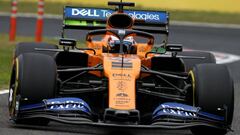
65,106
144,16
106,13
177,111
84,12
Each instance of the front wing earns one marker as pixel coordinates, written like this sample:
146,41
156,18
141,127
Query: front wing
76,111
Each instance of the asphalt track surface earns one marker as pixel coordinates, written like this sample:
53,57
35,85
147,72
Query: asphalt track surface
194,37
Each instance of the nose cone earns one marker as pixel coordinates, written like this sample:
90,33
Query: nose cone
122,72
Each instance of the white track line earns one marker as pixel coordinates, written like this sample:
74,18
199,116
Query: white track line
202,24
224,58
221,57
3,92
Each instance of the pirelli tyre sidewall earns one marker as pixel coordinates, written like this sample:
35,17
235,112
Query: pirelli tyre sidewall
33,79
213,91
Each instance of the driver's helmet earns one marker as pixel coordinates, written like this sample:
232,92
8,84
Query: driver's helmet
128,45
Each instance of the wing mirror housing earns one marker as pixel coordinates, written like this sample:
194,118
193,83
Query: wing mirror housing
67,42
174,48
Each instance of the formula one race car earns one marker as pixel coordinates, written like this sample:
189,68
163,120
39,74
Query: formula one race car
122,78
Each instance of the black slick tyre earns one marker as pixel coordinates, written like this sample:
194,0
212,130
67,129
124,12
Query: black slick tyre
213,91
33,79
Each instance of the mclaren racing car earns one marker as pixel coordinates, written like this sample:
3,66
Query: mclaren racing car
122,78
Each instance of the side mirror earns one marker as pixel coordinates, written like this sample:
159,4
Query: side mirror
67,42
174,48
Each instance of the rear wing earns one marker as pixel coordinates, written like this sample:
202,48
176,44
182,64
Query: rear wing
95,18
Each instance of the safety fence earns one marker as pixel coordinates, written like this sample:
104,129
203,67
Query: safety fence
39,22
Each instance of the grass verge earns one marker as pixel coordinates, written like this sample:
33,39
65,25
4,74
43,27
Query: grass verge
6,53
178,15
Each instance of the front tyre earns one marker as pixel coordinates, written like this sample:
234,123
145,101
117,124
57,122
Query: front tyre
33,79
213,89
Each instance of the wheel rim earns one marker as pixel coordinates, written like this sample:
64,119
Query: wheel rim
193,87
13,87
